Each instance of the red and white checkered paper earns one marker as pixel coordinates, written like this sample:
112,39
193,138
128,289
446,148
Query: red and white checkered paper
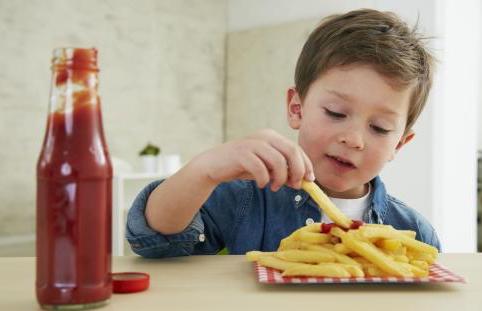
437,274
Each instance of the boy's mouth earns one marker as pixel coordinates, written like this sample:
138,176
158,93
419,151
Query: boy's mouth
341,161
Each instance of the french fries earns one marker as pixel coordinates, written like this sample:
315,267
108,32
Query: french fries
370,250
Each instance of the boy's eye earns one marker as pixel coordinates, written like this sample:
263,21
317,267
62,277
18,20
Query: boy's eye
334,114
379,130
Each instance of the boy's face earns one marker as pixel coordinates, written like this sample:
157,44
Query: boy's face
350,124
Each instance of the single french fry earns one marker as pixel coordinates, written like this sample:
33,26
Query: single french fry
372,270
401,258
325,269
299,237
305,256
276,263
312,247
325,204
255,255
354,270
341,248
389,244
362,261
408,233
401,251
379,232
315,227
328,245
420,263
313,237
289,243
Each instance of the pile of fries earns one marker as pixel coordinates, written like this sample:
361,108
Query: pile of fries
347,248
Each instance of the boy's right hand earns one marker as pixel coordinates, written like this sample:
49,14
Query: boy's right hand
265,156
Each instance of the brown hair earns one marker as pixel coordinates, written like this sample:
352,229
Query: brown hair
370,37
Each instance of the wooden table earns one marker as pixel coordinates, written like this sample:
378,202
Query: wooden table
229,283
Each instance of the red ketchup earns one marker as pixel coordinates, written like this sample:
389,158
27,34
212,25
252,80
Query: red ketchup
74,190
326,228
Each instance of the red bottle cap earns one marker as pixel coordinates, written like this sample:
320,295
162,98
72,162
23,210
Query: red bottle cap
129,282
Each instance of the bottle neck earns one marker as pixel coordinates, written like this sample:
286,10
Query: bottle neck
74,79
72,89
74,145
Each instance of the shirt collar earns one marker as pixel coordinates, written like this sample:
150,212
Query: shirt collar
379,198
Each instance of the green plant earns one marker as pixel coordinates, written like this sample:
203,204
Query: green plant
150,150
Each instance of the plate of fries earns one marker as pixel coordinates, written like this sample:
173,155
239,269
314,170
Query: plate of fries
437,274
349,251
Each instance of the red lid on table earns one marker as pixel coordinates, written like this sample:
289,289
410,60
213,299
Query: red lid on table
129,282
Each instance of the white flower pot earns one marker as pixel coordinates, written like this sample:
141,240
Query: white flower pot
170,163
150,164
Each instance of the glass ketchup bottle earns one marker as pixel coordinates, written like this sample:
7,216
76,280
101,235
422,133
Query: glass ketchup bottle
74,185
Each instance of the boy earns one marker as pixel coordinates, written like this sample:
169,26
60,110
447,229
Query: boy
361,81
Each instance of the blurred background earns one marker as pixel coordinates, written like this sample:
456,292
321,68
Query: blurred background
189,74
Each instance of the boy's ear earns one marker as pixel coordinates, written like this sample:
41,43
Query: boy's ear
403,141
294,108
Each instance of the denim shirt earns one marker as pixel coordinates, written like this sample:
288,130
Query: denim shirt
242,217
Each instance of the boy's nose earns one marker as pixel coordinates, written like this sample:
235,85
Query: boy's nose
352,139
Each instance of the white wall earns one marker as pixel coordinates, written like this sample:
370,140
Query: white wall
455,123
161,80
247,14
436,172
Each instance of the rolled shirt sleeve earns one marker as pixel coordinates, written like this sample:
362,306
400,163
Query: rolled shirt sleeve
212,228
149,243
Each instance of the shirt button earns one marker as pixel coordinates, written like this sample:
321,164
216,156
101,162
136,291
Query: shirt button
309,221
297,198
202,237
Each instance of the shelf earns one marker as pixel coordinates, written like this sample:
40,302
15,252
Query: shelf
125,187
